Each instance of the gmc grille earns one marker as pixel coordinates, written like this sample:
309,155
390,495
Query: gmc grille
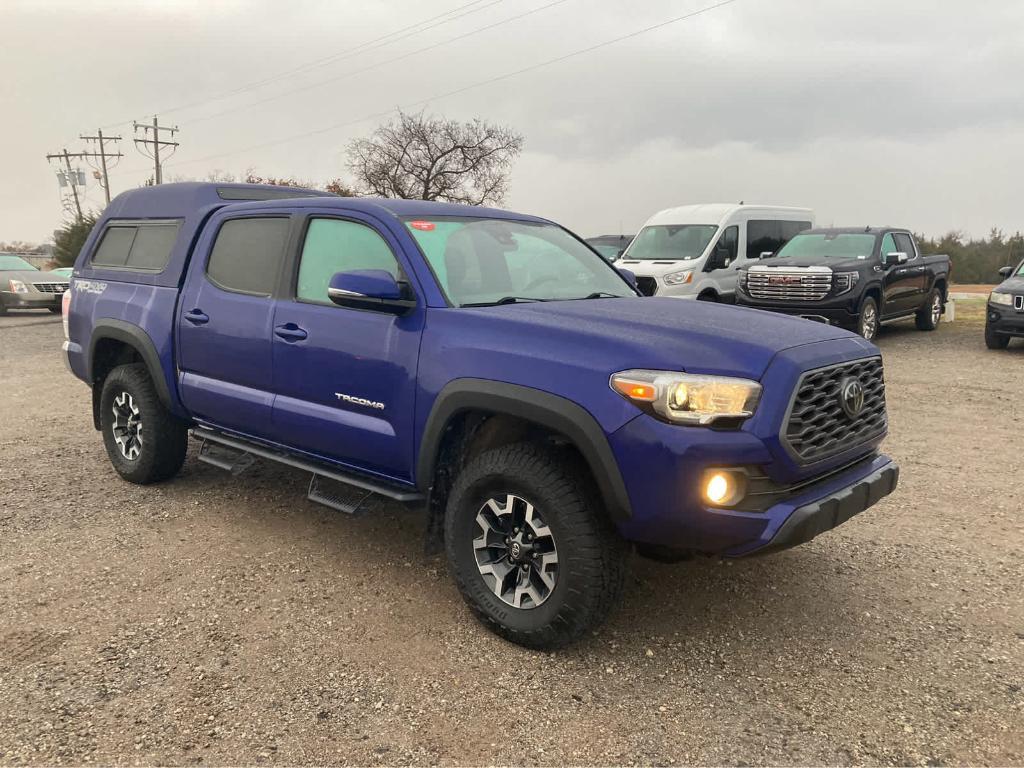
50,287
818,427
789,285
648,285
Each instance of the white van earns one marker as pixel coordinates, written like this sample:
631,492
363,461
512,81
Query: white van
694,251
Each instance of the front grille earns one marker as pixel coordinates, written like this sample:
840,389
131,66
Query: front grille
648,285
1018,303
50,287
818,426
789,285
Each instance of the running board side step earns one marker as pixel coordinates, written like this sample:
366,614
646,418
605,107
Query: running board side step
231,452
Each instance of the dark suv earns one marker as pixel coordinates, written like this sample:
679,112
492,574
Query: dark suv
1005,316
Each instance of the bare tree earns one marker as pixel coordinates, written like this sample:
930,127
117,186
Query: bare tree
430,158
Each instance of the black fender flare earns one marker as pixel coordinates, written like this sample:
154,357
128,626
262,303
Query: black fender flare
542,408
139,340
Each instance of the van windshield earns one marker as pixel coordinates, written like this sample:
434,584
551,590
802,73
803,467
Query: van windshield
828,244
671,242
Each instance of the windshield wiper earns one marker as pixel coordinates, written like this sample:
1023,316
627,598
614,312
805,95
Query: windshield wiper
602,295
503,300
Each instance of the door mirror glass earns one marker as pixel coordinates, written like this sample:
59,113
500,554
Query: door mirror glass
369,289
893,258
1005,272
766,254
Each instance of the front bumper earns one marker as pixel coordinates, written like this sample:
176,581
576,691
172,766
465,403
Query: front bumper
1004,320
33,300
840,311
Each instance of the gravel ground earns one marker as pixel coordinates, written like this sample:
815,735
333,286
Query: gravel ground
226,620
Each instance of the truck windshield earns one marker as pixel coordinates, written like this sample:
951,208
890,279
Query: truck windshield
827,245
671,242
490,261
15,264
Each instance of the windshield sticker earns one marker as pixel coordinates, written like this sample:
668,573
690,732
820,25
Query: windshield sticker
423,226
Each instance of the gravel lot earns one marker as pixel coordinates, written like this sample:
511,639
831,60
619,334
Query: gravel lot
226,620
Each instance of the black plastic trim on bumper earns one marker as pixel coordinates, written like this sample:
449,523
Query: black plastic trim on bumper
825,514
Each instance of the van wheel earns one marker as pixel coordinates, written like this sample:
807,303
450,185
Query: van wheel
867,324
995,340
709,296
928,316
145,442
530,549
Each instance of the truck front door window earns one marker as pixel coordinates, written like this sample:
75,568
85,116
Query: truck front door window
338,245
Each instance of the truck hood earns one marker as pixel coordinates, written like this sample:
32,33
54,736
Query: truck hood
657,333
836,264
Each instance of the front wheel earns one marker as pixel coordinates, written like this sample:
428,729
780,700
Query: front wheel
146,443
867,325
928,316
995,340
529,547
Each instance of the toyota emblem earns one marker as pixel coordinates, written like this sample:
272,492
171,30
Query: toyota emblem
851,397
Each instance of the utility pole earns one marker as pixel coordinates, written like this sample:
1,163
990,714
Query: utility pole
103,155
156,142
71,179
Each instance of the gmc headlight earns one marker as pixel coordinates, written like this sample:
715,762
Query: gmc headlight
678,278
683,398
844,281
17,286
997,298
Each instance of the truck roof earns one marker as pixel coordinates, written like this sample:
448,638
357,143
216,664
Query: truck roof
179,200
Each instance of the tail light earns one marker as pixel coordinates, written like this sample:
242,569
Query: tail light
65,307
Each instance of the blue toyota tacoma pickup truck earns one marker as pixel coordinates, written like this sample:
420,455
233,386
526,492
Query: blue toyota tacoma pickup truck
485,365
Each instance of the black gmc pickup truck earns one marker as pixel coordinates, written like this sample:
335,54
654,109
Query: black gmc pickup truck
856,278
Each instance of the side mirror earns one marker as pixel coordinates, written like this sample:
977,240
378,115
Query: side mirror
374,289
628,274
894,258
766,254
1005,272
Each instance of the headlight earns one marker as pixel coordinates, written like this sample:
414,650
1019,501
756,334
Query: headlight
844,281
678,278
994,298
17,286
684,398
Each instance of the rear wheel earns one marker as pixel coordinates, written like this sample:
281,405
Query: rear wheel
995,340
928,316
867,325
529,547
146,443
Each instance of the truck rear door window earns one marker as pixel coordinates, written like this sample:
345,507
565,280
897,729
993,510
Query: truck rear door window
247,255
143,247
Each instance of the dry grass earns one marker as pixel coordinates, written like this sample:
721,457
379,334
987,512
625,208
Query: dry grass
970,311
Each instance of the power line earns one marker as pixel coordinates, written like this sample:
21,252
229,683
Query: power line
373,44
346,75
471,86
156,142
71,177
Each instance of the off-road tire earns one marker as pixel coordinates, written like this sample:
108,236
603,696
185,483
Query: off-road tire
165,437
995,340
926,318
3,308
591,555
868,310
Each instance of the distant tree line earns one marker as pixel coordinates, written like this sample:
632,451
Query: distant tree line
976,261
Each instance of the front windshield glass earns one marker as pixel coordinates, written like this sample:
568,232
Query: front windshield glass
1020,270
483,261
842,245
15,264
670,242
610,252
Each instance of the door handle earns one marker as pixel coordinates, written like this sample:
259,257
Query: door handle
290,332
197,317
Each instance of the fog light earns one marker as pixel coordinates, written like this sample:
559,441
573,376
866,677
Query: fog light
723,488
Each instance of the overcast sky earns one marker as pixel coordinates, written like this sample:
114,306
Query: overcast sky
907,113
